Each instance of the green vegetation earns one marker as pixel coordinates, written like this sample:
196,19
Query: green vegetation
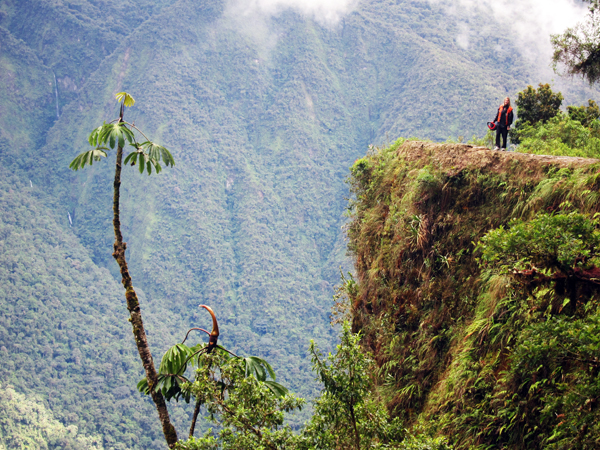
585,115
264,116
148,155
577,48
248,409
534,107
27,424
477,292
56,345
543,129
538,105
348,414
561,136
558,243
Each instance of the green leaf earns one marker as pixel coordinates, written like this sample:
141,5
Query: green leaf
143,387
149,155
141,161
269,369
157,152
266,365
111,140
127,99
167,384
93,139
87,158
167,157
113,133
130,158
276,388
174,360
258,368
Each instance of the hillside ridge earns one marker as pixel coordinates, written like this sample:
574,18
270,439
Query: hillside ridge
467,294
466,156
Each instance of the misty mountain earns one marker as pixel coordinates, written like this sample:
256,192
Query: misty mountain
264,111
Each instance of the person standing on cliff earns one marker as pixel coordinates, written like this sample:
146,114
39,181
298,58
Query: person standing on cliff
504,120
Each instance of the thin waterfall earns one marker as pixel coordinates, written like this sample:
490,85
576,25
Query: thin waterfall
56,94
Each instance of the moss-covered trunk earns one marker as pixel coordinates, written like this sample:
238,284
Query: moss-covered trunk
133,306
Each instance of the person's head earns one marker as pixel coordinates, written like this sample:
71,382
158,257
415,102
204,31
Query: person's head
506,101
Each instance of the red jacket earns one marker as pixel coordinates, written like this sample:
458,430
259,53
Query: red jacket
508,119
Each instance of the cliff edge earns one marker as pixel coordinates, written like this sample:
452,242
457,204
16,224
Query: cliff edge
476,291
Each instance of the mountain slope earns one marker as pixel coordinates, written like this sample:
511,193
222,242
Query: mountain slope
264,115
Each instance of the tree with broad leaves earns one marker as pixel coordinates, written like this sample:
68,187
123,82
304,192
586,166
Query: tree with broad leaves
170,381
578,48
234,389
147,155
236,392
586,115
533,106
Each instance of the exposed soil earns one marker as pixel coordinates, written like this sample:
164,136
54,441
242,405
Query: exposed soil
456,157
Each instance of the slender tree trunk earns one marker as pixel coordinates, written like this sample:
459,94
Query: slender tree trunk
194,418
356,434
133,305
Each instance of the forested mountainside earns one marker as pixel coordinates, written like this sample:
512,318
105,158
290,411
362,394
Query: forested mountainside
263,114
477,291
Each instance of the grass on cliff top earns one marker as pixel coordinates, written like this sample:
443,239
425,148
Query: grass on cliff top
447,334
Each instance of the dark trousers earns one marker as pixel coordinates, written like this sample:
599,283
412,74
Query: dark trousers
504,132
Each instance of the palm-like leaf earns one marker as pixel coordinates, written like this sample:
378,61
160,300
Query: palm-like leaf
169,385
147,154
108,133
115,133
276,388
143,387
259,368
132,157
158,152
87,158
93,139
175,360
128,100
170,374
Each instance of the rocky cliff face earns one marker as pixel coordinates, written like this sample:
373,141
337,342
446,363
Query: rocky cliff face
489,350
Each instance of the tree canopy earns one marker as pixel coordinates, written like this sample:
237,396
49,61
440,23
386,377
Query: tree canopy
533,106
578,48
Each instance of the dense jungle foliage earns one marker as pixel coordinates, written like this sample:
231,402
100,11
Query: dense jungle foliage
478,275
542,128
264,115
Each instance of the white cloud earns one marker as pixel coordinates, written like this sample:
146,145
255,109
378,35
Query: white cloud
529,22
462,39
327,12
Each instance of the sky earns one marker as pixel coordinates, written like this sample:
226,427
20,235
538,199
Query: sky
529,22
